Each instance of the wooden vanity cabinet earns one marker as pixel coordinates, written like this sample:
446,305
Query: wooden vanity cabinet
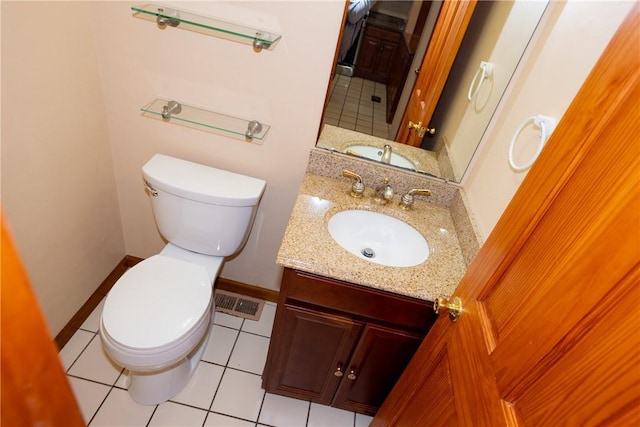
376,55
341,344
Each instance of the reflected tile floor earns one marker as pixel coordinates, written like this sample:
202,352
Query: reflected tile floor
225,390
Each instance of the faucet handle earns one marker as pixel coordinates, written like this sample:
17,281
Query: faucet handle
357,188
406,201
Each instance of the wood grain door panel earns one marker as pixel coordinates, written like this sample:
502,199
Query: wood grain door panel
549,333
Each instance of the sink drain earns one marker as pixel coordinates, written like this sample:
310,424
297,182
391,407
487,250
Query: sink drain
368,252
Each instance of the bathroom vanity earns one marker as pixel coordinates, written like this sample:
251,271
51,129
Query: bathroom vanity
346,327
341,344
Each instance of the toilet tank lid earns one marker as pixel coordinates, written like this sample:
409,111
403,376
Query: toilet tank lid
202,183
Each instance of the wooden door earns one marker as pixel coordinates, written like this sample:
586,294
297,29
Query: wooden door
379,359
447,36
35,391
550,331
309,347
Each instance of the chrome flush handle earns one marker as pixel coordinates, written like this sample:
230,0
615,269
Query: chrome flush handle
150,189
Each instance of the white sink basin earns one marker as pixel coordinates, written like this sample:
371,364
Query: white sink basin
378,238
375,153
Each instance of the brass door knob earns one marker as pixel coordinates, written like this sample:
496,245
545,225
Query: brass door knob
419,129
454,307
414,125
352,375
338,373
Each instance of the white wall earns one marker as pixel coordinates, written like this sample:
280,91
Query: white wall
284,88
58,188
574,35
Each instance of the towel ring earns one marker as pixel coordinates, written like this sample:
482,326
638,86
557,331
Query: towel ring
546,125
484,71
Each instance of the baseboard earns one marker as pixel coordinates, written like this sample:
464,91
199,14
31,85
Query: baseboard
87,308
248,290
129,261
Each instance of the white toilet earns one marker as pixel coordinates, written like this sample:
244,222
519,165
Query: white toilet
156,318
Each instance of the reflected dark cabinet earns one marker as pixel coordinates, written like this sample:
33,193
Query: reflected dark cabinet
402,64
341,344
377,53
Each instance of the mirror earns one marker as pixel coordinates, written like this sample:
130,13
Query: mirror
360,110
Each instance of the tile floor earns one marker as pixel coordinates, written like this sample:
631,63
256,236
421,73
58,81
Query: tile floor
350,106
225,390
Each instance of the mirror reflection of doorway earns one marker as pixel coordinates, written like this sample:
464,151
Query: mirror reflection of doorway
366,88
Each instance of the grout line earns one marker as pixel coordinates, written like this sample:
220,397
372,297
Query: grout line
308,413
264,396
81,352
99,406
152,414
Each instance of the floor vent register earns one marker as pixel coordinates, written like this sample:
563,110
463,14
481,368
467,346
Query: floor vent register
238,305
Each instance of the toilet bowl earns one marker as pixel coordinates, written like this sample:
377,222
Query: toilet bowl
156,319
155,323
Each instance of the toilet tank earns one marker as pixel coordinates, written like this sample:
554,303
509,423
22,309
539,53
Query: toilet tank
200,208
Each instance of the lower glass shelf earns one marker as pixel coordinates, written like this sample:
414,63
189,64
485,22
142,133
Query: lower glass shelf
205,120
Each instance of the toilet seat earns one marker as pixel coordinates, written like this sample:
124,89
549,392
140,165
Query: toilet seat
157,305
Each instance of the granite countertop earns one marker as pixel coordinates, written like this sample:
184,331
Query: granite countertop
308,246
387,22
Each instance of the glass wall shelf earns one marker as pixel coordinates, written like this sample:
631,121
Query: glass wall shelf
165,16
205,120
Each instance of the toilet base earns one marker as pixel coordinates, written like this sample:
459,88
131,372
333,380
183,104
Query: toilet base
152,388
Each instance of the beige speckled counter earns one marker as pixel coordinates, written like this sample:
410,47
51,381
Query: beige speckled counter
308,246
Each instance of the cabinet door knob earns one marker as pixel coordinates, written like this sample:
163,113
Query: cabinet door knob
352,375
338,373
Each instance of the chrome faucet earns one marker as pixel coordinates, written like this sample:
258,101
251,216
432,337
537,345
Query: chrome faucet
383,193
386,154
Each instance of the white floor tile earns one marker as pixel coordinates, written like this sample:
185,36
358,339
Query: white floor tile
265,324
217,420
221,341
326,416
94,364
201,387
123,380
283,411
93,321
171,414
363,420
74,347
122,411
239,395
225,319
89,396
249,353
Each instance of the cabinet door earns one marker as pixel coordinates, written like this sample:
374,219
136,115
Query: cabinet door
368,57
385,63
380,357
309,349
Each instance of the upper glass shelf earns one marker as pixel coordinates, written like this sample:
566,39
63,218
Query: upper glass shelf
164,16
208,121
